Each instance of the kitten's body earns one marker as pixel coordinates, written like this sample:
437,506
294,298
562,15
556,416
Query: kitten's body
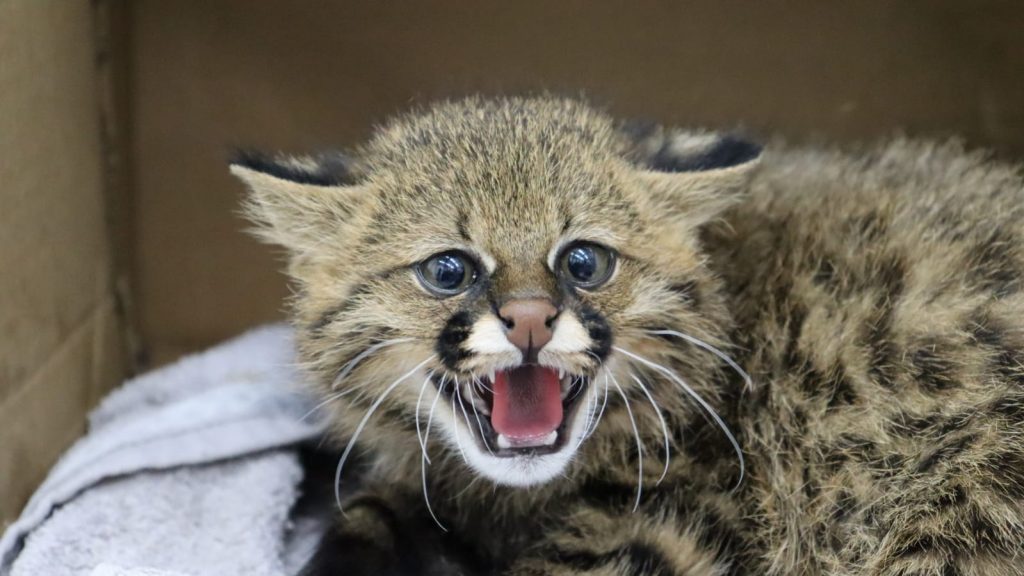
875,300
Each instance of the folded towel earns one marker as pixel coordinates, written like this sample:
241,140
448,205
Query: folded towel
187,471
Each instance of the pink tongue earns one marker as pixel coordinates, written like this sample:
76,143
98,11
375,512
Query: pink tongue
527,402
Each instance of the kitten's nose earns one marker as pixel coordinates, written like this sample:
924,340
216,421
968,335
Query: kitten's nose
529,323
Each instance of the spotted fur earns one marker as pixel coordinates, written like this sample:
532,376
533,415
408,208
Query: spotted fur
874,297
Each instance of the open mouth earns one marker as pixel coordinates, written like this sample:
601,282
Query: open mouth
520,411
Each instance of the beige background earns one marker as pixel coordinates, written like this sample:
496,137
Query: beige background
297,75
116,118
60,335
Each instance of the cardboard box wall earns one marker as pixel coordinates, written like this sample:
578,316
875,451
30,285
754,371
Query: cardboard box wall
118,219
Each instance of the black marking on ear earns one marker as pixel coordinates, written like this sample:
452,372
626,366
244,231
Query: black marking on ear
331,169
725,152
453,335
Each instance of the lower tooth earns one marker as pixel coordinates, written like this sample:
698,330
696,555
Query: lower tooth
503,442
550,438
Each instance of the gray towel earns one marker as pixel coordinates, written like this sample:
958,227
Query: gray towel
190,470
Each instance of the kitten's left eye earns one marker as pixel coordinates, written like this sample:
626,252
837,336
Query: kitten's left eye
447,274
586,264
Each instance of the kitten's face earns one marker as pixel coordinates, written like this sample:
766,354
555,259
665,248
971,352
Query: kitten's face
482,269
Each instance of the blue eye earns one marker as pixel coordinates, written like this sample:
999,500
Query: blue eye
447,274
587,265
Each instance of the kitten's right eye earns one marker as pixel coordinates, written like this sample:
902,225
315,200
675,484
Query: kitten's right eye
447,274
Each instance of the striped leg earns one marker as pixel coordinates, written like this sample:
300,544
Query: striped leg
598,542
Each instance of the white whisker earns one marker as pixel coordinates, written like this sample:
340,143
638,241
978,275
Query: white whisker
592,394
693,394
480,383
664,427
639,445
362,424
469,427
455,425
480,426
326,401
426,497
430,417
419,402
702,344
425,460
604,404
351,364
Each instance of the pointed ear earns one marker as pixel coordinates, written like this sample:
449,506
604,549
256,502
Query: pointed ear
692,176
297,202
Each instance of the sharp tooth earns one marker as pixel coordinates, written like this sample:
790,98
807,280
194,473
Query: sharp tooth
490,377
561,373
550,438
503,442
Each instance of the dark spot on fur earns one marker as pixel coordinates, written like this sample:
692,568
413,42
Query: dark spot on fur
718,534
825,275
883,352
855,447
843,393
1006,362
950,570
869,227
1007,470
460,225
1012,407
834,385
946,451
994,264
449,343
641,558
598,330
914,425
952,499
932,368
811,488
604,493
845,503
688,292
792,359
567,224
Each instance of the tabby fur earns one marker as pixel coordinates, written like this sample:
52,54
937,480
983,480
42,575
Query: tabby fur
874,297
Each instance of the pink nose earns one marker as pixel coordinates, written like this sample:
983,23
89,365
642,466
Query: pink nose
529,322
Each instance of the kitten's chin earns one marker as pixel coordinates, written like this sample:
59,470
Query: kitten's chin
521,471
